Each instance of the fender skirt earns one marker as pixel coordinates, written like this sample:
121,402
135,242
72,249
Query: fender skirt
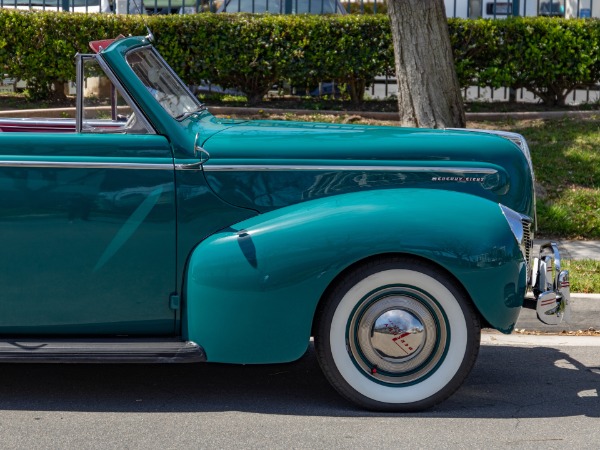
252,289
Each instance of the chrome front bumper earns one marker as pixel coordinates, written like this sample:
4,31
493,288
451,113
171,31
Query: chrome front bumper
550,287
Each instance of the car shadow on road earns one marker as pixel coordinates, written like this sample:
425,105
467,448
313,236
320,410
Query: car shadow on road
507,382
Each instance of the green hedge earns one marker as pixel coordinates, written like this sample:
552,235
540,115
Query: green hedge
252,52
40,47
549,56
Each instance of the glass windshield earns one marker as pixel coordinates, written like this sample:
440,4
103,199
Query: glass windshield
162,82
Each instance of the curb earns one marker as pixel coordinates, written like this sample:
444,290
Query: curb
230,110
593,297
393,116
532,115
496,338
585,314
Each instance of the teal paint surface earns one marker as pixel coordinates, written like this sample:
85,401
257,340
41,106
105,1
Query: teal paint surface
129,227
253,289
200,213
325,145
86,250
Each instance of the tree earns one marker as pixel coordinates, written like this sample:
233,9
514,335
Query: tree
428,89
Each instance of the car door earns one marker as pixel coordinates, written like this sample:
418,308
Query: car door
87,242
88,234
87,220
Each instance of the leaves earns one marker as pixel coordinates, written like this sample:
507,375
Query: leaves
40,46
548,56
251,52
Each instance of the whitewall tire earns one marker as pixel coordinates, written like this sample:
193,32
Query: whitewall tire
397,334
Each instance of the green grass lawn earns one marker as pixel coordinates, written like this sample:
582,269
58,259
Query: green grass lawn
566,159
584,275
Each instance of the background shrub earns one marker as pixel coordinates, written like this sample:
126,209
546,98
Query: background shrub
251,53
548,56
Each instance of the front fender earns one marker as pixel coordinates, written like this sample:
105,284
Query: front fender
252,289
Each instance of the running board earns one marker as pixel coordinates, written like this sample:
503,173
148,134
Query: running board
100,350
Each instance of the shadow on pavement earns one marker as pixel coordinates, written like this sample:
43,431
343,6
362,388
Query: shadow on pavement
507,382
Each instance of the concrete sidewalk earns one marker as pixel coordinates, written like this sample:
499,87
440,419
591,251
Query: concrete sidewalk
572,249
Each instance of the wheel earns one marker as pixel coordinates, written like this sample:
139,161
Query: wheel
397,334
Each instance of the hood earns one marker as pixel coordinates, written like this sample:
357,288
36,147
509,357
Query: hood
266,165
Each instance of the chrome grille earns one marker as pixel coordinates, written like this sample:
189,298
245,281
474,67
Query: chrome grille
527,240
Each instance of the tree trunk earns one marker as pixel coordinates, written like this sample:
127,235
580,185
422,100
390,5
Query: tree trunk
58,92
428,89
357,90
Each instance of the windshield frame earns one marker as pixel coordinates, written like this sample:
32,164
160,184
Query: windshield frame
178,90
80,59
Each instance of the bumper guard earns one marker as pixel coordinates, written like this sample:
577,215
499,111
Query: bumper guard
550,286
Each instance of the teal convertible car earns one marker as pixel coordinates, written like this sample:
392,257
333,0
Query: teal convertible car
147,230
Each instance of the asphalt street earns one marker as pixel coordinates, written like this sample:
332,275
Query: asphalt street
518,396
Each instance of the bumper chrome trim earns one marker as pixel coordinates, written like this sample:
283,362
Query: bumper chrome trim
551,286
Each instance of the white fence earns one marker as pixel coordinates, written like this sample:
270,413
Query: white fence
503,8
454,8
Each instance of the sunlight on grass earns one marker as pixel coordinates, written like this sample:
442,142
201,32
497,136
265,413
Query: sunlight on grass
566,157
572,213
584,275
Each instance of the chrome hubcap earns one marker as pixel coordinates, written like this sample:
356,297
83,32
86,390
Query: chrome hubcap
397,334
397,337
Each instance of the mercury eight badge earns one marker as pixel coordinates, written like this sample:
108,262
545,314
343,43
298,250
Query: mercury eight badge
148,230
